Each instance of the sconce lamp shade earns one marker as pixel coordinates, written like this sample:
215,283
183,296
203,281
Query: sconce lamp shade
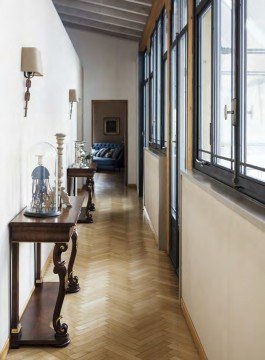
31,61
73,96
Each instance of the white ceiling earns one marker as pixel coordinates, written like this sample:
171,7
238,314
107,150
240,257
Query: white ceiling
121,18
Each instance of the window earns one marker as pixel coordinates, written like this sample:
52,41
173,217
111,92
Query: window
178,98
164,80
146,99
173,148
204,84
252,161
182,99
155,86
230,93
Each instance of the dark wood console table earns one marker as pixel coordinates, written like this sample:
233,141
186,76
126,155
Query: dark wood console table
88,173
41,322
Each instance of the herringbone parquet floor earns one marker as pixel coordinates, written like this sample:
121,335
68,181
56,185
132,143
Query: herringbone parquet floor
128,306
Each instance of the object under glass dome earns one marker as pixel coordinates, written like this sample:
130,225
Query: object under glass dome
43,182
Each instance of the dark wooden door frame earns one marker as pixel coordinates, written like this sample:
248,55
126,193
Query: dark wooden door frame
93,103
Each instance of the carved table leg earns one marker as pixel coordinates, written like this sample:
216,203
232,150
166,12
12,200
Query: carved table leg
89,217
90,187
59,268
93,184
73,285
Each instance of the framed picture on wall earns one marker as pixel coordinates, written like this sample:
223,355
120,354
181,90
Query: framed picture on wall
111,125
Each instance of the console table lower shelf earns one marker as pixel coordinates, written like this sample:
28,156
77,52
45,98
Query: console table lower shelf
36,322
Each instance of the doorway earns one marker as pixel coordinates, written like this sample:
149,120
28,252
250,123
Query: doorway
109,125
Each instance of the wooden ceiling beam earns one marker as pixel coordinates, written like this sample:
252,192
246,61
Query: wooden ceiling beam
149,2
103,26
99,17
107,11
123,5
101,31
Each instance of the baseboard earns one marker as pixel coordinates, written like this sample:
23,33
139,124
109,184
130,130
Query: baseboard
43,270
193,331
47,263
151,225
4,351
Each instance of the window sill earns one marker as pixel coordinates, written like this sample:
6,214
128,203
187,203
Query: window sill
251,210
158,152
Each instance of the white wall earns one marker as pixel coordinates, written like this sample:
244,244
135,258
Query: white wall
29,23
223,274
155,194
110,73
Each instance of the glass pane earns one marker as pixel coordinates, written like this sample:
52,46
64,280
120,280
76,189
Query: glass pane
254,97
173,96
182,102
223,71
152,55
165,103
146,66
173,150
159,83
154,92
184,14
165,35
175,18
205,80
173,202
146,114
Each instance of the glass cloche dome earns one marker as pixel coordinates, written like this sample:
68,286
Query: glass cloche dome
42,181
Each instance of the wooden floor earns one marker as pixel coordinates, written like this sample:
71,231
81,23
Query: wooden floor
128,306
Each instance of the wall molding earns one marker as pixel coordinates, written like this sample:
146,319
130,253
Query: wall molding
193,331
150,224
47,263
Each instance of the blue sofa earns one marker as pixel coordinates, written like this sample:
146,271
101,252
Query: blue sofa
114,162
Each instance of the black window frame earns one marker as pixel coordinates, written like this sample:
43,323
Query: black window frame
157,120
146,94
175,39
234,178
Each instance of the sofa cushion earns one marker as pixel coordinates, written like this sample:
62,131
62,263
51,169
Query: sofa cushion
102,152
104,161
109,153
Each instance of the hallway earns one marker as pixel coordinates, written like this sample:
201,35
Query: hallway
128,305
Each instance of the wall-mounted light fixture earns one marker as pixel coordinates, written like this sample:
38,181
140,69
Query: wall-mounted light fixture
72,98
31,65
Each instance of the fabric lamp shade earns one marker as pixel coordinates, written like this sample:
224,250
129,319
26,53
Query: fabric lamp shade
73,96
31,61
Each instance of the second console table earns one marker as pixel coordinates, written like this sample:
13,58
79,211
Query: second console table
88,173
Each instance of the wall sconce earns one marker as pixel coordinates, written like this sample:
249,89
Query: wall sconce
31,65
72,98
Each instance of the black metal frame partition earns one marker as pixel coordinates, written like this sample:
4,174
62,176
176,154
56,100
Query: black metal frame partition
176,44
175,39
234,177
